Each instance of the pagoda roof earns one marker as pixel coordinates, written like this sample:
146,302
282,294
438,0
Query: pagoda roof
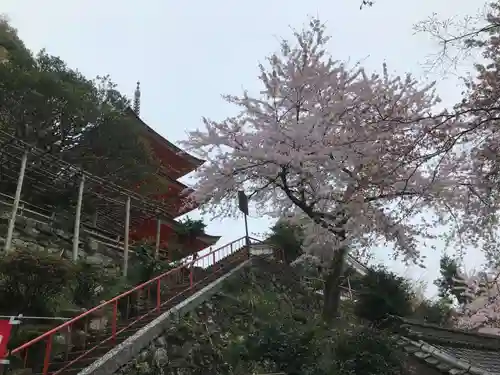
108,199
177,207
179,185
168,192
191,160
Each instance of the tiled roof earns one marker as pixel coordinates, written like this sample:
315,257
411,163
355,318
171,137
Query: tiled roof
450,351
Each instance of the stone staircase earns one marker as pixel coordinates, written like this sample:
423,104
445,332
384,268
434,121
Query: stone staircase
76,344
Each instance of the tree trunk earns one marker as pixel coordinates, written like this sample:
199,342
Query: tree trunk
331,291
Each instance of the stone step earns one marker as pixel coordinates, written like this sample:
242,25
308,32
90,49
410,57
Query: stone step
100,342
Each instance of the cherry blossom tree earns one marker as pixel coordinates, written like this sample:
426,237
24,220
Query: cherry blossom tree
458,37
481,309
358,158
477,144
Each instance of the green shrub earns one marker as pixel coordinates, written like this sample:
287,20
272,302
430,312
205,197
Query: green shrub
281,346
146,267
33,283
94,283
25,332
367,352
314,349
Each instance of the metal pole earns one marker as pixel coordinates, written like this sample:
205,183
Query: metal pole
78,214
158,237
15,205
247,238
125,239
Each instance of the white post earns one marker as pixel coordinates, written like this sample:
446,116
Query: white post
158,237
76,229
350,290
125,239
15,205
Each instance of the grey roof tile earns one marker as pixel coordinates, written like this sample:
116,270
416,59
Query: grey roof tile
451,351
485,360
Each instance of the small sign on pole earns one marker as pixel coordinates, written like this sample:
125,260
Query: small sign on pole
243,206
243,202
5,332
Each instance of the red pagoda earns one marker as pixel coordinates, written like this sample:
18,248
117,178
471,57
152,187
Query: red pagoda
164,187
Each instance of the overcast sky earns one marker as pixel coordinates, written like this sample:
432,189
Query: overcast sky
187,53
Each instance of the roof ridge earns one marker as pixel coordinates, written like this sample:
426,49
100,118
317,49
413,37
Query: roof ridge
430,350
410,322
173,147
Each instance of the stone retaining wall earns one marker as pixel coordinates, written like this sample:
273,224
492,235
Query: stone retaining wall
33,235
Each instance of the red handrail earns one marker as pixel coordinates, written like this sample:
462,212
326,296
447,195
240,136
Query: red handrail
232,253
115,299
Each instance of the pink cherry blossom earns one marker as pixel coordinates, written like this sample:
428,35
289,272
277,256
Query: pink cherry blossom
358,158
477,151
482,309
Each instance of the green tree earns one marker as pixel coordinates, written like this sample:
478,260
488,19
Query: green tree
434,312
186,235
288,238
113,147
449,270
190,229
382,293
85,122
42,100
